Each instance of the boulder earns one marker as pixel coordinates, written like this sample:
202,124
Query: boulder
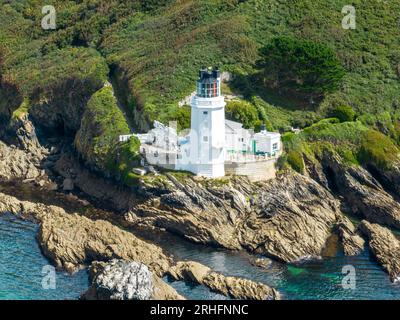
234,287
384,246
123,280
126,280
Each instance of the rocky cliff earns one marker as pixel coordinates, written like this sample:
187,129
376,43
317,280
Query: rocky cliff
288,219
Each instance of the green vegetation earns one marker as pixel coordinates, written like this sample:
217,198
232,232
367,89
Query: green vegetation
353,142
242,111
153,50
22,110
343,113
378,150
182,117
97,138
300,67
295,159
126,157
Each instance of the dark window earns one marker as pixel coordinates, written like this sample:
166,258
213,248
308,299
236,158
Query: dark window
205,112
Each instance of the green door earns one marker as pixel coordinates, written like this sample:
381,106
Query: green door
254,146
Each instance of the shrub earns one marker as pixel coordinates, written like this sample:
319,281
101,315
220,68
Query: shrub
243,112
295,159
307,68
343,113
378,150
182,117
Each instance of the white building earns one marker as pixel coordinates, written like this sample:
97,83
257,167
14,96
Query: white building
204,154
237,139
214,145
266,142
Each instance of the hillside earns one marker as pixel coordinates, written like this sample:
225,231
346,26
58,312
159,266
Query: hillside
151,50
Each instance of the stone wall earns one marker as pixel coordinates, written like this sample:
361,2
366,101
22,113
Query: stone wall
255,171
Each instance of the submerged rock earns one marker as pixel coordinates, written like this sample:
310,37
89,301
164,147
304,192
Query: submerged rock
237,288
384,246
263,263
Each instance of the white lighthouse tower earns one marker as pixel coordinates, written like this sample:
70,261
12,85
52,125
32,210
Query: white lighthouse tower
207,137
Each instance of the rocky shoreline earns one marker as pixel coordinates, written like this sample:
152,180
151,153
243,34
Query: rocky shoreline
71,241
288,219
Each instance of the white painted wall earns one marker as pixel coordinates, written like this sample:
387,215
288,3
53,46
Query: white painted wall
207,137
268,142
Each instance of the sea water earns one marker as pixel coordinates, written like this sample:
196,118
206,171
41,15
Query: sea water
25,272
320,279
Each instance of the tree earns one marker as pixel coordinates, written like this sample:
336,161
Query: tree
182,117
343,113
302,67
243,112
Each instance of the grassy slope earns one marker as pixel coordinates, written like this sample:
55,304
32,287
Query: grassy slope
157,49
161,52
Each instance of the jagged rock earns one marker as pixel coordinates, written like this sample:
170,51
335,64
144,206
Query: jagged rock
299,219
123,280
18,164
292,220
71,240
364,194
126,280
384,246
234,287
389,177
352,242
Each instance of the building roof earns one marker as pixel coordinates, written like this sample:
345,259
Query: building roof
268,134
233,125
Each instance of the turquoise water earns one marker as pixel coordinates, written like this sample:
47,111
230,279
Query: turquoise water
319,279
21,266
22,262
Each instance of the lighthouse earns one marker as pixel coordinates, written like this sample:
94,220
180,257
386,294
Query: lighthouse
207,137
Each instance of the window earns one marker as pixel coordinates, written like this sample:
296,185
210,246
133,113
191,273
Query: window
275,146
205,139
205,112
207,89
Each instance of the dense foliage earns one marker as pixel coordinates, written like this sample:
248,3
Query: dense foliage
301,67
242,112
97,138
343,113
295,159
152,51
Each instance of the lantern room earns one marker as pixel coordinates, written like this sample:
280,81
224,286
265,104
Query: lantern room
209,83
